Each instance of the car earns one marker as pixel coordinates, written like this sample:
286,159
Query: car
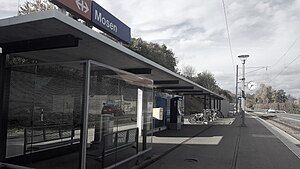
271,111
114,110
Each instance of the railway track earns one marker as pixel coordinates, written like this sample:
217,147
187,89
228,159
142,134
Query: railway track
292,127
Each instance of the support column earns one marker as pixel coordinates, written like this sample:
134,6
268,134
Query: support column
219,104
4,94
214,103
84,131
210,105
205,104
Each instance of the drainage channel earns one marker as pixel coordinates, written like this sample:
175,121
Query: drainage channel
236,150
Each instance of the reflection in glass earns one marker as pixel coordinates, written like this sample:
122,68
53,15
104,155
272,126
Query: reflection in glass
112,126
45,107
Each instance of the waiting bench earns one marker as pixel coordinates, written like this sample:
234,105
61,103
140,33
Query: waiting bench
113,142
46,137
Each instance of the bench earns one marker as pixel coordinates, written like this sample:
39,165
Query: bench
113,142
47,137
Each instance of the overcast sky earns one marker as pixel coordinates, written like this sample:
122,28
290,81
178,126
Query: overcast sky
195,30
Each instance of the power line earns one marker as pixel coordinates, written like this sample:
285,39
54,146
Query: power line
254,67
297,57
257,69
228,34
285,53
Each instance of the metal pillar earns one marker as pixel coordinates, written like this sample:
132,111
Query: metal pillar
236,89
2,112
84,131
243,95
4,95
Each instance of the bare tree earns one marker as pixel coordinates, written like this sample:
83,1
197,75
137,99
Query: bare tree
34,6
188,71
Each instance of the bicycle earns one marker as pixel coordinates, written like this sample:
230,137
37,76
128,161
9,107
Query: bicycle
196,118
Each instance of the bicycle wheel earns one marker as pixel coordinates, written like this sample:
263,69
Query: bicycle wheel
192,119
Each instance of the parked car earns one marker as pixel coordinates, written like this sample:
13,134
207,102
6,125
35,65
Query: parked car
114,110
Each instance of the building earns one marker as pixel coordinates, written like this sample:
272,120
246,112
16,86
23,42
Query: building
73,98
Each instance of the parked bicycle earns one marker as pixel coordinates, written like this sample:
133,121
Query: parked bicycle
208,115
196,118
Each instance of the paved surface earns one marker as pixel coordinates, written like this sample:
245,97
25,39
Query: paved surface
224,147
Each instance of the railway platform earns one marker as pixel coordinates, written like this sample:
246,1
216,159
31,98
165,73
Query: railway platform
224,146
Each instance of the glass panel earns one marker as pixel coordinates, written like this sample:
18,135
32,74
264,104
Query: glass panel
113,134
147,116
45,110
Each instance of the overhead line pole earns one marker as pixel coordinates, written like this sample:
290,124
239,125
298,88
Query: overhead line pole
243,59
236,88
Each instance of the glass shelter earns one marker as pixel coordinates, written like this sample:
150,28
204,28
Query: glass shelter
80,114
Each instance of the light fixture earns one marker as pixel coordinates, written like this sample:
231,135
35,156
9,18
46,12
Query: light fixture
243,57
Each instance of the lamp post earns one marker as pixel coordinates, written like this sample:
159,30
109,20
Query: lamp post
243,59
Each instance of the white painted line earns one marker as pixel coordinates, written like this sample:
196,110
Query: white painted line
285,138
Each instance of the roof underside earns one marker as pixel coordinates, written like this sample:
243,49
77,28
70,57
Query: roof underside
92,45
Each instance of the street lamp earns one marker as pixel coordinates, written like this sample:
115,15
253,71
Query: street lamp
243,59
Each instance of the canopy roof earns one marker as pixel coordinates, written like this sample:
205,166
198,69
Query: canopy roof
91,45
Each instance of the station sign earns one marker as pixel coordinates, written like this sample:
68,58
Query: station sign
105,21
93,13
83,8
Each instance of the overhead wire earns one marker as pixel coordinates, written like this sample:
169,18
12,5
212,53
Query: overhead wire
297,57
257,69
228,35
278,61
286,52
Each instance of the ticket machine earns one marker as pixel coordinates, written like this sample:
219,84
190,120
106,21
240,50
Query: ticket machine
176,113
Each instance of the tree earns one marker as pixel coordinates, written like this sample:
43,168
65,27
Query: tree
290,98
188,71
280,96
226,93
155,52
250,100
264,94
34,6
207,80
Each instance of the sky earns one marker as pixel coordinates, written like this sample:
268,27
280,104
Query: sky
267,30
